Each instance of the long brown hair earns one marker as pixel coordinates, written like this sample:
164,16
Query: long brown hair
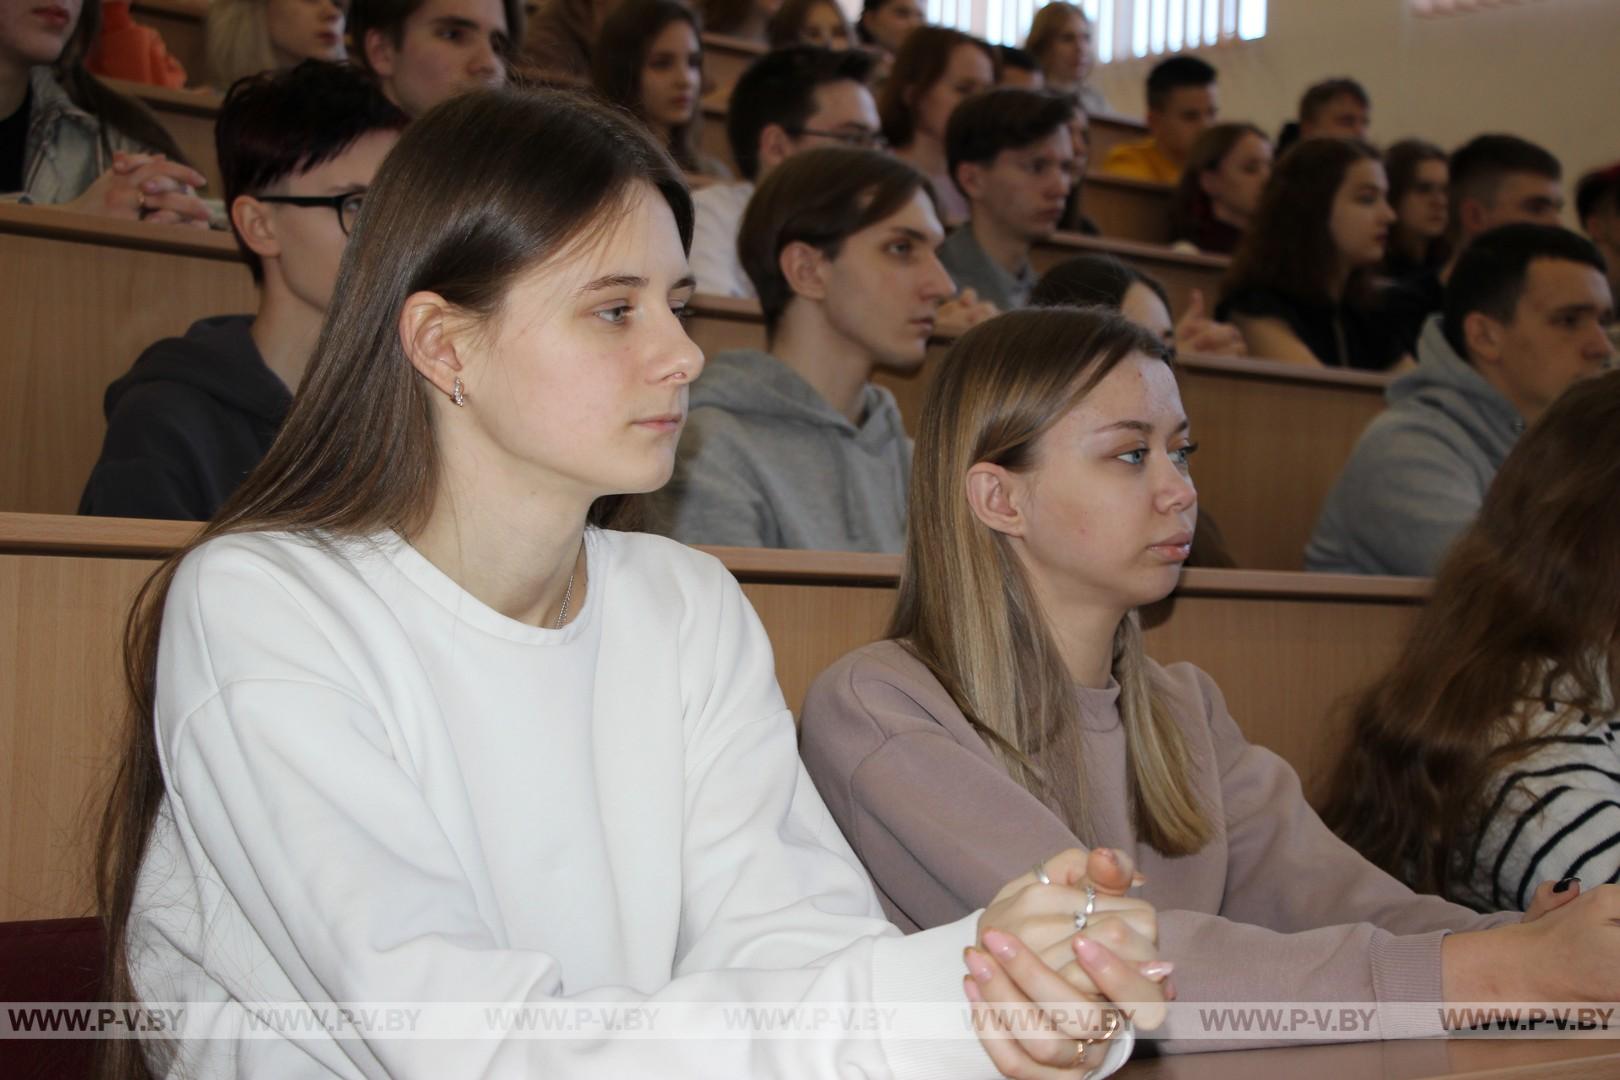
621,54
920,63
1190,204
966,608
1288,247
1526,608
1401,161
122,114
535,171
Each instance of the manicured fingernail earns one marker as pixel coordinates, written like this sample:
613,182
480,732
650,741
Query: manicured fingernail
1157,969
1091,954
1003,945
1563,886
1110,854
970,990
1138,879
977,965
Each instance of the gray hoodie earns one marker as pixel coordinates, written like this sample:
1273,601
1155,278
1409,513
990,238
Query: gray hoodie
765,461
1419,473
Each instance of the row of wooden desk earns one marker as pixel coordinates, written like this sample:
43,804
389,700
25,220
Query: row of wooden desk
85,295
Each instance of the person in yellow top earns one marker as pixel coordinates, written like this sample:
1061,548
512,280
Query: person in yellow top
1181,103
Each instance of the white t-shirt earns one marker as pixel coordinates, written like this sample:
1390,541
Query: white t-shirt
379,789
718,211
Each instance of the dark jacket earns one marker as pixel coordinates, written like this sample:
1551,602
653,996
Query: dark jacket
188,422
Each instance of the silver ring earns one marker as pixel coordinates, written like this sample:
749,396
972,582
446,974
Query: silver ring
1040,873
1084,915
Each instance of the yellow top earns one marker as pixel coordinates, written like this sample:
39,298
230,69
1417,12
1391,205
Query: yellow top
1141,161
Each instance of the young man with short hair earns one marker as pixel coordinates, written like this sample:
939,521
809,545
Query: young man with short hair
1597,205
1495,180
788,100
196,414
1335,109
424,52
1010,152
1181,103
794,446
1526,312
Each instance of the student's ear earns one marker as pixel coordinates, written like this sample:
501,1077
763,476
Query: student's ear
970,178
255,226
1483,336
429,328
1471,216
805,270
995,495
379,54
775,146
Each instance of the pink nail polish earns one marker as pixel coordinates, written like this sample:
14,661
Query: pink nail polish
1091,954
1157,969
976,965
1003,945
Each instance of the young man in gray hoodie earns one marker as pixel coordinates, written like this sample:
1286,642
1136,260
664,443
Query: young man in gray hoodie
795,447
1525,316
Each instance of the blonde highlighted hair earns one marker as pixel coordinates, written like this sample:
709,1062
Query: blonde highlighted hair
966,608
1047,24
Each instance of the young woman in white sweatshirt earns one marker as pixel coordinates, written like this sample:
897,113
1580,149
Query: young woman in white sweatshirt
409,723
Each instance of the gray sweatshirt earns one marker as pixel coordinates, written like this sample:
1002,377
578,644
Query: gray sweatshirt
765,461
1419,473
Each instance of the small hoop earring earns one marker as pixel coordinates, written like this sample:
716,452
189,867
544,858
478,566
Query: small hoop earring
455,393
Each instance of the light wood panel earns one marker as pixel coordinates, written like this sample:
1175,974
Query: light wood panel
83,297
725,58
1128,209
1284,647
181,24
188,116
1179,272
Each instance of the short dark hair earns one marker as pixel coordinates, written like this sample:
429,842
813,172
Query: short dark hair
1092,280
780,88
1174,73
282,123
1480,166
1007,118
820,197
1490,273
1318,96
390,16
1012,57
1597,189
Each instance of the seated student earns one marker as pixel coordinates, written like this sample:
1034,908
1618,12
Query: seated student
332,745
884,25
788,100
1062,42
132,52
1011,154
745,19
795,447
1418,178
1018,69
1219,193
1013,708
1597,205
808,22
559,38
1302,287
67,139
1181,103
1494,180
245,37
196,414
649,60
936,71
1074,211
1488,757
1525,315
424,52
1335,109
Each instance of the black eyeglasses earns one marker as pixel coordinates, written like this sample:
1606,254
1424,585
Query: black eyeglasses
347,207
861,140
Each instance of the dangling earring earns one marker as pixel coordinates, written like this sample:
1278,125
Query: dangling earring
455,392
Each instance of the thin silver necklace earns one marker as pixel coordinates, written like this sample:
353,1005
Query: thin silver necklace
568,595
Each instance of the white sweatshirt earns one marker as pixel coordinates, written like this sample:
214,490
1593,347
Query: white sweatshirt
379,789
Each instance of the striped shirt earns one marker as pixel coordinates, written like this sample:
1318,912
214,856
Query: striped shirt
1552,814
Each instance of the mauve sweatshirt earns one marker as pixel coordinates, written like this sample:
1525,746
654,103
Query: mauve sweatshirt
1273,908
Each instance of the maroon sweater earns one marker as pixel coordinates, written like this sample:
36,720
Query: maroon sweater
1273,908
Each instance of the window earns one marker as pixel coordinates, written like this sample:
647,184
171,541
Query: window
1125,28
